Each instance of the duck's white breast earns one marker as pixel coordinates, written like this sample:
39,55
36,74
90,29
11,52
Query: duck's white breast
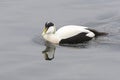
70,30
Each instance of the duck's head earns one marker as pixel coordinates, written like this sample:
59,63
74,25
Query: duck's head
49,28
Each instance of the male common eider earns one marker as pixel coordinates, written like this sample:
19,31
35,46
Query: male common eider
70,34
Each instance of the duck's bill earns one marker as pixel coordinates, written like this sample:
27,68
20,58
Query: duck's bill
44,31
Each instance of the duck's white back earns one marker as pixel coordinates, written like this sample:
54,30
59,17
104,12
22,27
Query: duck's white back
69,31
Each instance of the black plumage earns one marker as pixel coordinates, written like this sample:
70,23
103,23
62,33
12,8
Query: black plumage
79,38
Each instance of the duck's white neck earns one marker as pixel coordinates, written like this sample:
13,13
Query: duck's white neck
50,35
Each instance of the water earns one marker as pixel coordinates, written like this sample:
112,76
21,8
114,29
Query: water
21,45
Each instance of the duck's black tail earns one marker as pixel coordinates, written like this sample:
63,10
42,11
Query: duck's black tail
97,34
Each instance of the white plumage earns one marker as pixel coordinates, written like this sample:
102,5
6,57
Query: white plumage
72,30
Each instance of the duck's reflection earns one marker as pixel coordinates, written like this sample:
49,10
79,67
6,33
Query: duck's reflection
49,51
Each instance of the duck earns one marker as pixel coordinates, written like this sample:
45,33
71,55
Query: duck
69,34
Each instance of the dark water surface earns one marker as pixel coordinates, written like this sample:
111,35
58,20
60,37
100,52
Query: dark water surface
21,46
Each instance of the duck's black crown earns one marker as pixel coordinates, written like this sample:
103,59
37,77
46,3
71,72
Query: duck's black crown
48,24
